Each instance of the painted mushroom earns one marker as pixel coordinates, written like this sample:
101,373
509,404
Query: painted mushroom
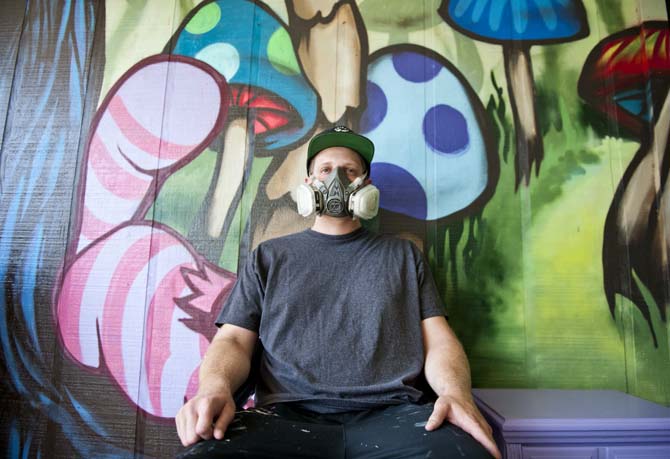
324,32
517,26
627,77
433,157
272,108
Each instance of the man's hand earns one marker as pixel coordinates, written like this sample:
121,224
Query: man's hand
464,414
224,369
204,416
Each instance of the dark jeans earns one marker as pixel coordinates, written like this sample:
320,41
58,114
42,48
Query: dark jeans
285,431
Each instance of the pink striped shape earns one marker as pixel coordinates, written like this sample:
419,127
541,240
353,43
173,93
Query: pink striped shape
136,114
132,263
141,137
157,340
69,302
112,176
150,342
92,227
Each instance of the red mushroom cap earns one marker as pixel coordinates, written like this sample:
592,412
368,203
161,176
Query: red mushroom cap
269,111
626,75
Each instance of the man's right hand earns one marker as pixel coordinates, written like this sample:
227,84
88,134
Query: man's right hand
205,416
224,368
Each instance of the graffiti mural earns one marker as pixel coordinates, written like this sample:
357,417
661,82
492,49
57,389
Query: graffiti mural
636,62
147,148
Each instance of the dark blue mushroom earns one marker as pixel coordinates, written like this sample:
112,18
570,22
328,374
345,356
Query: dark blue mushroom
517,25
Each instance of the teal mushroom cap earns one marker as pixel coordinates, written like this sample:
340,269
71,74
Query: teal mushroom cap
252,49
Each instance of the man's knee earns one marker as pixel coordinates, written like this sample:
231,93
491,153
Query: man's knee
449,437
235,444
208,449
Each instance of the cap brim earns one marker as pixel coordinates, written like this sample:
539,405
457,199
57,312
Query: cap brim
361,145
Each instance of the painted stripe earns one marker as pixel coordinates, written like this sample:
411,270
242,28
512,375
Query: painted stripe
91,227
519,19
83,242
69,307
119,345
158,339
185,358
546,9
193,384
112,176
98,283
104,205
113,139
135,324
142,138
461,7
495,14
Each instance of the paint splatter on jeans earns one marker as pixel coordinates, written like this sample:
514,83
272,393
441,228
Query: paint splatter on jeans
285,430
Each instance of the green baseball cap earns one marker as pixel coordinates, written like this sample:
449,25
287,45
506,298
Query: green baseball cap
341,136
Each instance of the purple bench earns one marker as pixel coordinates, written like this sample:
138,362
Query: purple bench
572,424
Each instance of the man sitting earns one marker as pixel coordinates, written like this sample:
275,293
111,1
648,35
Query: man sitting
349,322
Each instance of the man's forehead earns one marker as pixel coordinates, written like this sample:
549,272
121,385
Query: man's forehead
345,161
340,154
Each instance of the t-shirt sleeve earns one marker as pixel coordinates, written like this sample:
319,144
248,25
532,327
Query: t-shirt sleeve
431,303
244,305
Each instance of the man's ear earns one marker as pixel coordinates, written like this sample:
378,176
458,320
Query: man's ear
308,180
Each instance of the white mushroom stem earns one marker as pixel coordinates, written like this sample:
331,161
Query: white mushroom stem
330,53
308,9
231,174
529,149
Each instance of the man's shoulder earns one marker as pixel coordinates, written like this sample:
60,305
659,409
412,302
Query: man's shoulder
281,241
396,241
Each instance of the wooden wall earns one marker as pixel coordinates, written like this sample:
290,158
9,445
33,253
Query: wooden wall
146,147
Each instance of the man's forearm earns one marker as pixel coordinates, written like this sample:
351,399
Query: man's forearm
446,367
448,373
225,367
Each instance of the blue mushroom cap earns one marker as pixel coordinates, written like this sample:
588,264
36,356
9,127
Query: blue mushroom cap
432,159
251,47
531,21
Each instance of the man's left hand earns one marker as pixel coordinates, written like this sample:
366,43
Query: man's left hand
464,414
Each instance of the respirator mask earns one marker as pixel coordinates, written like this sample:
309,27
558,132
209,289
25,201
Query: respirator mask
337,196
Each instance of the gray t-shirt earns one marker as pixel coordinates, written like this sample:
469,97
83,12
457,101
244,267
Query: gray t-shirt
339,318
